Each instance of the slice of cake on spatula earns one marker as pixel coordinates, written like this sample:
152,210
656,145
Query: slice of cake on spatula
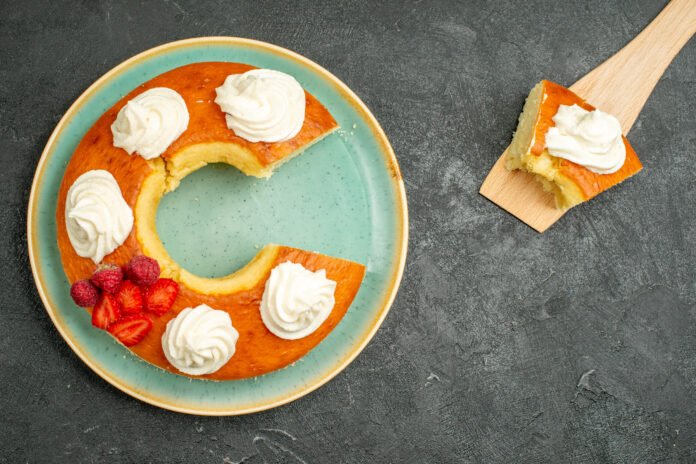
620,86
573,149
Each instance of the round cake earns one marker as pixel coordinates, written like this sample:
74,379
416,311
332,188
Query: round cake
261,318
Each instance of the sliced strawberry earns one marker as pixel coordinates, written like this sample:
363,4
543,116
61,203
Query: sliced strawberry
131,329
130,297
106,311
160,296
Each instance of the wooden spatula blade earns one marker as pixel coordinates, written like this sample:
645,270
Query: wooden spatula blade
521,195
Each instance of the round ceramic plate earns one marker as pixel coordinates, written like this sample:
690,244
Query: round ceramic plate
343,197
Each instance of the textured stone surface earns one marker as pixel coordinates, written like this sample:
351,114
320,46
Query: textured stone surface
503,345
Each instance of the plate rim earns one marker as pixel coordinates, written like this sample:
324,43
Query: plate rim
390,164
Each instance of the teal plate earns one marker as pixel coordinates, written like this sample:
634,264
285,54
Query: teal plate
342,197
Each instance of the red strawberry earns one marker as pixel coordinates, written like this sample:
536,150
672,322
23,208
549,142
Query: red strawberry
130,297
108,277
84,294
143,270
131,329
106,311
160,296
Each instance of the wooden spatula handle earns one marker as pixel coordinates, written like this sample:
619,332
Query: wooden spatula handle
622,84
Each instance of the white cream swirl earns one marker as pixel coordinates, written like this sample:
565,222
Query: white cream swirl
199,340
296,301
97,217
589,138
262,105
150,122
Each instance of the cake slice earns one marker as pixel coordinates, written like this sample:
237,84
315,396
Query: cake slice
571,183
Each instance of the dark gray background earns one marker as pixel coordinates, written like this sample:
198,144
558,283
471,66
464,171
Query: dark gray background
483,354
